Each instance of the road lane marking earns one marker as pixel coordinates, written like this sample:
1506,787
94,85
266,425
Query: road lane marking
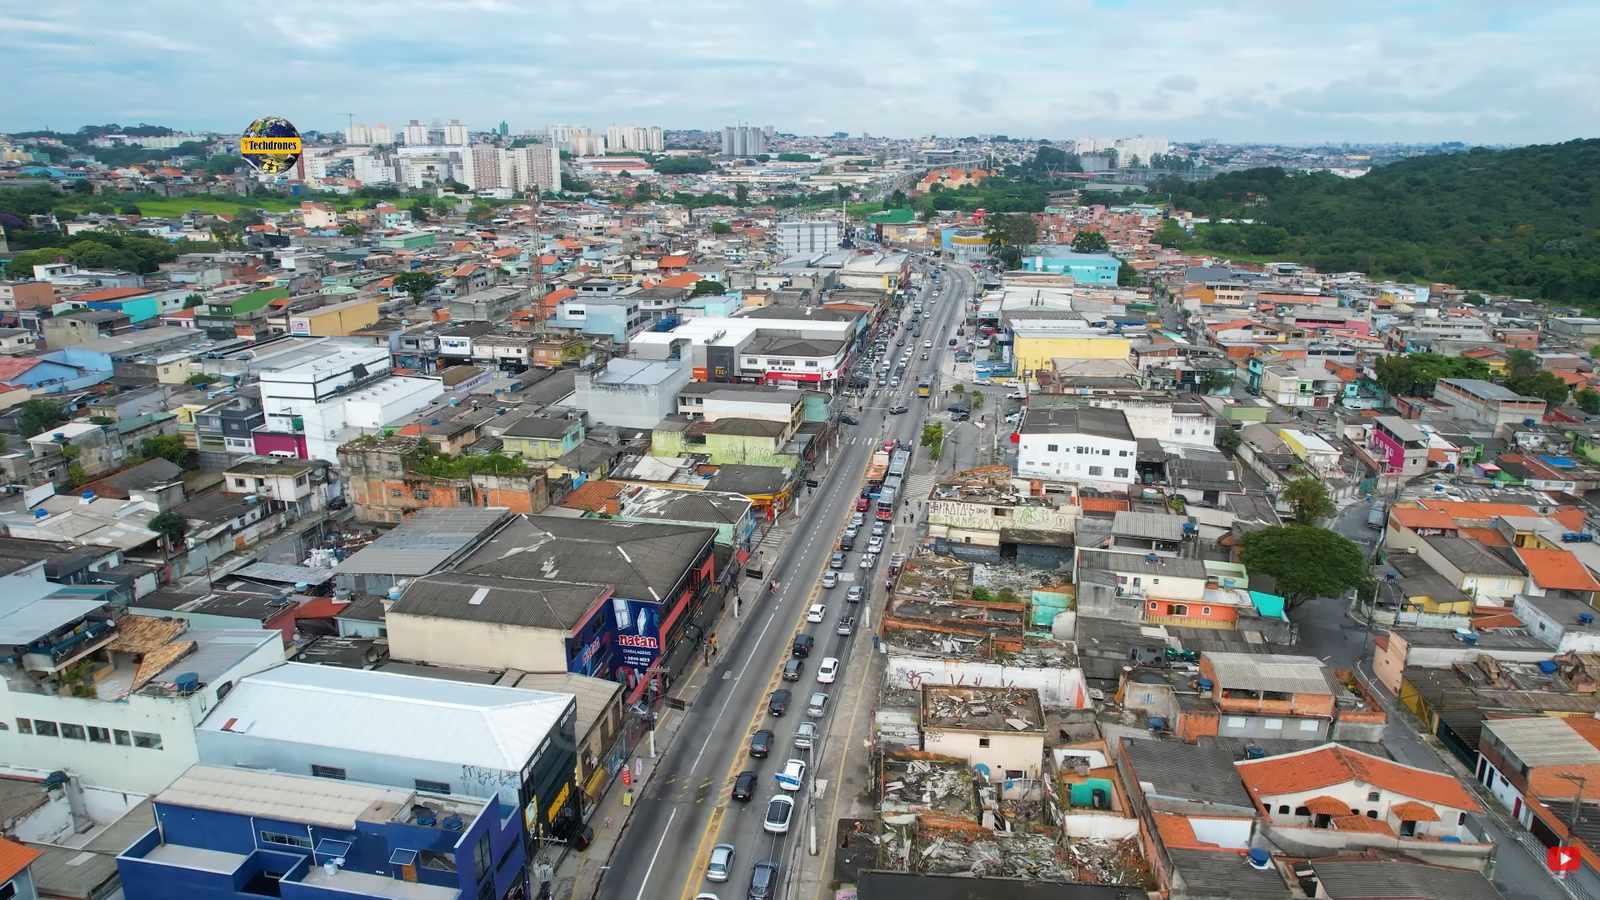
650,868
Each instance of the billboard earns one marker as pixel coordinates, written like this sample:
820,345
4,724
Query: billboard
637,634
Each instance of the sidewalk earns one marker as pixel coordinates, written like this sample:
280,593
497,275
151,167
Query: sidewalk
578,877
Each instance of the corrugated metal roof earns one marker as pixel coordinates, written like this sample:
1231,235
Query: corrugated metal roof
283,798
420,544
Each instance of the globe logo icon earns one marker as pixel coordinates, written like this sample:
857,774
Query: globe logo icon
270,144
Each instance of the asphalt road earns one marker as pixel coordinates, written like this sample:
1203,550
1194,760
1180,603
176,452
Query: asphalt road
687,806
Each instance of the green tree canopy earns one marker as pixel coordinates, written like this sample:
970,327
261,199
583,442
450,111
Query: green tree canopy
1309,500
1170,235
1089,242
38,415
704,287
1415,374
171,526
1305,562
1588,401
416,283
1521,363
169,447
1544,385
1008,234
721,228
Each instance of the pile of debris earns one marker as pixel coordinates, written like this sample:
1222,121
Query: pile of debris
916,784
1106,862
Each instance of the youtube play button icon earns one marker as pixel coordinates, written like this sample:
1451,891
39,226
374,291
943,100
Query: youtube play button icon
1562,858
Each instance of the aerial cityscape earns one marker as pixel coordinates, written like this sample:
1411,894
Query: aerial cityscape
1108,451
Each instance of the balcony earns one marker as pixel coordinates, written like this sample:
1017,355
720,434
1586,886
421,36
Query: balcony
51,655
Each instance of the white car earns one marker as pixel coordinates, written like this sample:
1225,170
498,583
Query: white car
875,545
779,810
816,612
868,560
793,775
828,671
927,345
1016,395
830,579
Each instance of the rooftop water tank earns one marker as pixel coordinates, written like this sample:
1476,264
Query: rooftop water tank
1204,684
187,682
452,822
1158,723
41,514
394,593
1251,751
1585,618
1260,858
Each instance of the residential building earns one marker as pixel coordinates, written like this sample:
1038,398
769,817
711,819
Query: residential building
298,486
446,737
1530,764
616,317
492,305
82,326
16,875
111,698
1401,446
1266,696
239,833
1487,403
1083,268
335,320
1372,800
388,479
542,437
999,731
1086,445
743,140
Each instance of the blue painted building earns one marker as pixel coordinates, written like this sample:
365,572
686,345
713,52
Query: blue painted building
1085,268
231,834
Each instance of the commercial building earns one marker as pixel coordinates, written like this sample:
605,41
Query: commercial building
325,393
1487,403
1084,268
335,320
239,833
409,732
630,393
1037,343
807,237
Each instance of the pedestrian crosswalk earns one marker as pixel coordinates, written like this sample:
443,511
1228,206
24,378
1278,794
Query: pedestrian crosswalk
773,541
918,487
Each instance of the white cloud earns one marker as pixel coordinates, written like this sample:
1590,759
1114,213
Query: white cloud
1246,69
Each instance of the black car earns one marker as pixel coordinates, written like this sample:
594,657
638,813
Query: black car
744,787
848,419
761,744
762,879
778,703
793,668
803,644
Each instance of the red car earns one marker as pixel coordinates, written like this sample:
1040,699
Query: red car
862,503
889,445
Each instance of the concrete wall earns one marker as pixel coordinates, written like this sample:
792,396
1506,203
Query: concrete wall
1014,752
484,645
1287,728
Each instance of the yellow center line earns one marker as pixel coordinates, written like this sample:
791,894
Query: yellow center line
713,825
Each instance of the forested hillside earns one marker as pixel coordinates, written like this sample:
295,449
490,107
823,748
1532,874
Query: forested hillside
1524,221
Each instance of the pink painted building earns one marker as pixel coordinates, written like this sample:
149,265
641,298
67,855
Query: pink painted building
1400,445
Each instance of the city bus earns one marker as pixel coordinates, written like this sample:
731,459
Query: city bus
925,387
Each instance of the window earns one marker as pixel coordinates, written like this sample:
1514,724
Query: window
482,857
24,726
73,732
99,735
1302,811
1123,453
1177,609
286,840
147,740
1014,774
811,364
421,493
1283,809
1236,721
983,742
1052,447
432,859
1308,724
327,771
121,738
432,787
1205,610
1097,471
1154,605
238,482
1273,724
1120,473
44,729
393,492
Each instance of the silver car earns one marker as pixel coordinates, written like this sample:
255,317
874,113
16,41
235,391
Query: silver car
721,865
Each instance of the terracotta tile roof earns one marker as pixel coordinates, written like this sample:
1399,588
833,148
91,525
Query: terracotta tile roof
1103,504
1362,824
1492,620
1324,805
1412,811
145,634
1556,570
672,262
570,244
1177,833
320,608
507,252
1546,783
687,279
596,496
461,246
180,314
14,858
1588,728
12,366
1414,518
1331,764
465,270
1465,509
112,294
1485,536
1570,517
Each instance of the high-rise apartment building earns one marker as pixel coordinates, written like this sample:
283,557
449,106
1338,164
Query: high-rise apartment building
358,135
537,166
455,134
743,140
371,168
504,128
381,135
481,166
634,138
416,134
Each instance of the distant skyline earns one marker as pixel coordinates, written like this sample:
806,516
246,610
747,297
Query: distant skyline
1241,71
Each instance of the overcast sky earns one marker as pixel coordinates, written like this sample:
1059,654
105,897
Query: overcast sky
1244,70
